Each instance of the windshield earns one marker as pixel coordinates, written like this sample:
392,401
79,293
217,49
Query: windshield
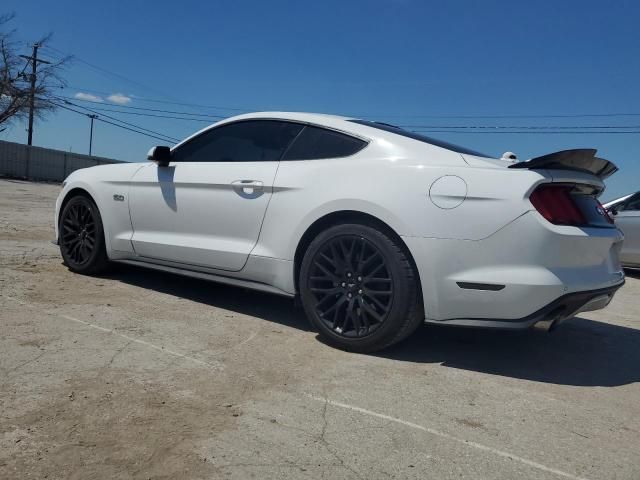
421,138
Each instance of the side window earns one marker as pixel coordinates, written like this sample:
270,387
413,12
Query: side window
317,143
243,141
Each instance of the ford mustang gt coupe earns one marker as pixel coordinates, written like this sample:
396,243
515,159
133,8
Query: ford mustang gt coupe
375,229
626,214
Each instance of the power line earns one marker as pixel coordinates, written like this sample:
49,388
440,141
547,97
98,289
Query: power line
143,108
426,131
110,123
521,129
142,85
155,100
102,70
132,130
417,127
367,115
123,122
569,115
91,117
151,115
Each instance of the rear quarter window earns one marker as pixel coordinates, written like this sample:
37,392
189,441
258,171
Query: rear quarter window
315,143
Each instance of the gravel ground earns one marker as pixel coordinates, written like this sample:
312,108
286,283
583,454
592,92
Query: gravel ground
145,375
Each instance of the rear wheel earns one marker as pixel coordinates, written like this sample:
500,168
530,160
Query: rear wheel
81,236
359,289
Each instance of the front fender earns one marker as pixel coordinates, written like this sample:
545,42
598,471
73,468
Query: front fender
103,183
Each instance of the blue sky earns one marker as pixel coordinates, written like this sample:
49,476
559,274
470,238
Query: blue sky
407,62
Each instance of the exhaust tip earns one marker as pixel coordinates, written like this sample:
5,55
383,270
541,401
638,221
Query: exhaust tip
543,325
551,321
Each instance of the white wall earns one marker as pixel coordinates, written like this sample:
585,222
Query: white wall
35,163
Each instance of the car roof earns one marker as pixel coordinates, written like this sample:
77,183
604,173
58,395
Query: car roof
322,119
296,116
332,121
350,125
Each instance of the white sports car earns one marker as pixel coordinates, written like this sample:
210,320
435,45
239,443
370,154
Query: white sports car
626,214
374,228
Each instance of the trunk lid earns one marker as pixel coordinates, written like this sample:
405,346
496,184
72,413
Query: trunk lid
576,177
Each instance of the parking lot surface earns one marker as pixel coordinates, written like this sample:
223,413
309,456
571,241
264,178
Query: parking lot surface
145,375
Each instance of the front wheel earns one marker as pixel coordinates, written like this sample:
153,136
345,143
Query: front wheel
81,236
359,289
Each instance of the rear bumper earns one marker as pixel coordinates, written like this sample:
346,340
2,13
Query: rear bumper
512,278
549,316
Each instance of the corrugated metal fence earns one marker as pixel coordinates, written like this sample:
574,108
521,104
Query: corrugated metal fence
36,163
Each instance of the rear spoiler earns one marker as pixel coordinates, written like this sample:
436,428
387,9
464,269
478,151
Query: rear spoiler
582,160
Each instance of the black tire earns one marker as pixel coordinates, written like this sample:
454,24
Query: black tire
359,288
81,236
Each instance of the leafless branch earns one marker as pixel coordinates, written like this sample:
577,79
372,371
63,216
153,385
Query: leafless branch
15,87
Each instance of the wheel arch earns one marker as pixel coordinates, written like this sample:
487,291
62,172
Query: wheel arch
68,195
75,191
341,217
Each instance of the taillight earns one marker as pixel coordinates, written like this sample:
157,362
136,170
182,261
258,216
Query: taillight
555,203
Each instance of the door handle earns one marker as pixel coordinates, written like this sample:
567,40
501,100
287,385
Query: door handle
255,184
248,188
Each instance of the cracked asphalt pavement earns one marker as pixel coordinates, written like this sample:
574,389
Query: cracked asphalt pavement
144,375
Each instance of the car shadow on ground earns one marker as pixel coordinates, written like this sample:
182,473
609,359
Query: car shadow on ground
274,308
581,352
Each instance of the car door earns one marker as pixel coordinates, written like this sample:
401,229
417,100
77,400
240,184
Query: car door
628,220
207,206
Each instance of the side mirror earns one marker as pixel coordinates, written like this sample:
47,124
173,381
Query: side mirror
161,155
613,211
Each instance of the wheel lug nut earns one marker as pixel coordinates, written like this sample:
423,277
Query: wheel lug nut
359,279
344,284
359,292
349,275
349,295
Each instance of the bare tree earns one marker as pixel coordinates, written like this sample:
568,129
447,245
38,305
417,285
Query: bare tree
15,75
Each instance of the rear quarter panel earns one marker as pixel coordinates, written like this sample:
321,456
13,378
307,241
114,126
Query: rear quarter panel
392,182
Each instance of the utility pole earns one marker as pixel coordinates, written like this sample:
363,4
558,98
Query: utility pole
92,117
32,80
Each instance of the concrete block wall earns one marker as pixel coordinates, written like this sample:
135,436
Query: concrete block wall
36,163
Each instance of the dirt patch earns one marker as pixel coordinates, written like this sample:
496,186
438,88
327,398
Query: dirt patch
115,426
